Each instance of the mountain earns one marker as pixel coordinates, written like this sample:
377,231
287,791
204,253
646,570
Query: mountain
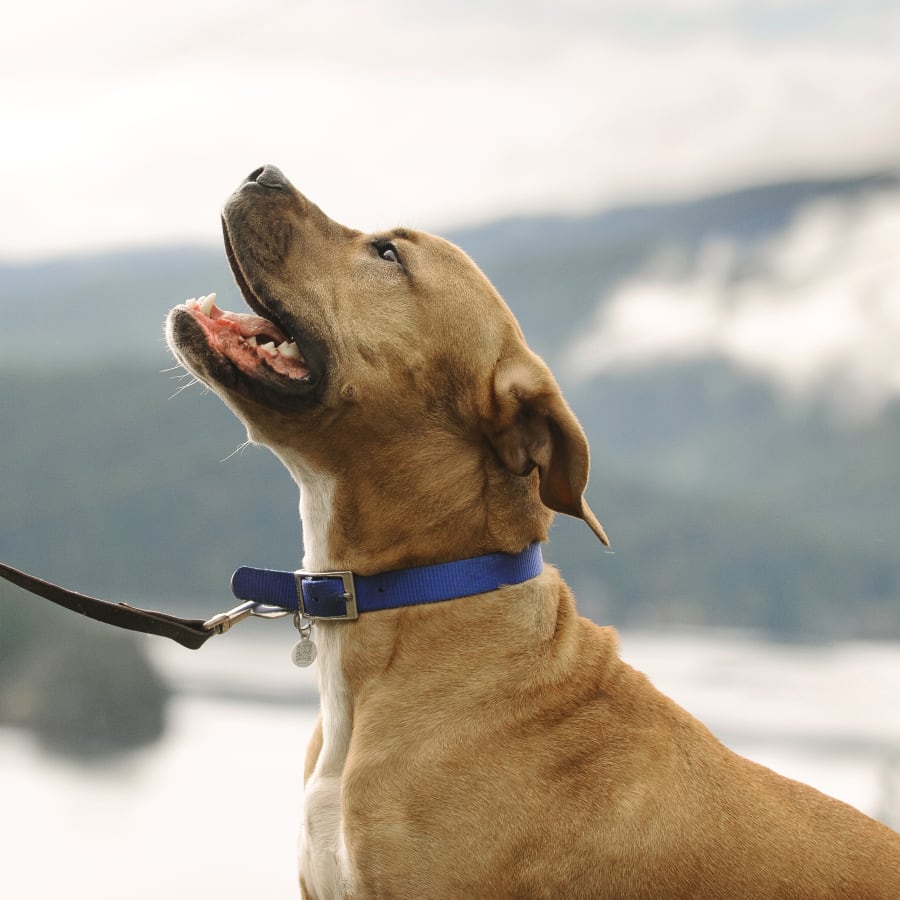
732,497
554,271
551,270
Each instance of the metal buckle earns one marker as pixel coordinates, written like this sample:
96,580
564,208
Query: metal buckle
349,594
221,622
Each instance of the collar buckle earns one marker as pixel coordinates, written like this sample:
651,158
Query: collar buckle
329,596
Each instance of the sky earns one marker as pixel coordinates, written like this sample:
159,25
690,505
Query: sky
129,124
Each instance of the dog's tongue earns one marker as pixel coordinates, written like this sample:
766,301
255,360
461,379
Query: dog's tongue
247,324
250,325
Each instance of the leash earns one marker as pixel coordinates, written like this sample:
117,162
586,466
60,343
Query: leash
190,633
309,596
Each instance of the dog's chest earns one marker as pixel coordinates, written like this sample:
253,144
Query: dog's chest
323,854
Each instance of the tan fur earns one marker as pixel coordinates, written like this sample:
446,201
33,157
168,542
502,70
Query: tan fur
492,746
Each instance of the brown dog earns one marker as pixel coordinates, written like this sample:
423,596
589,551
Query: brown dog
491,746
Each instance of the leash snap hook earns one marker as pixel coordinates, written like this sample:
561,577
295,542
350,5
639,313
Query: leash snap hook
222,622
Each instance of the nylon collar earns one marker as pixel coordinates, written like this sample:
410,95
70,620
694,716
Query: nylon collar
343,595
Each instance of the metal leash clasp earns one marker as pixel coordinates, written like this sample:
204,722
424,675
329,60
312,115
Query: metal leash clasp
222,622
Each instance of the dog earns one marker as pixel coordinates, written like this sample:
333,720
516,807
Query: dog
493,745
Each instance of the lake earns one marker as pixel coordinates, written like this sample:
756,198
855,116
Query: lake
213,808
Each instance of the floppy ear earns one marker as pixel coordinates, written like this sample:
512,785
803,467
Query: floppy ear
532,427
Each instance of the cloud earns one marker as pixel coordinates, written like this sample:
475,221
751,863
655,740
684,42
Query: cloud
816,312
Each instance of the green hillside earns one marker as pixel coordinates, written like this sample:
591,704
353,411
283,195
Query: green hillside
113,486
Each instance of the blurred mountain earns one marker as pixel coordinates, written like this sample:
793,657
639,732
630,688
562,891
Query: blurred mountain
732,496
551,270
555,271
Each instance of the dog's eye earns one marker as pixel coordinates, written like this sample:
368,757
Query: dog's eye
386,250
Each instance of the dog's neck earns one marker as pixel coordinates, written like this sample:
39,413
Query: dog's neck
331,532
357,524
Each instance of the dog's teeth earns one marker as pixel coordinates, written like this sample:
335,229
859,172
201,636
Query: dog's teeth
270,348
205,304
289,349
191,304
252,341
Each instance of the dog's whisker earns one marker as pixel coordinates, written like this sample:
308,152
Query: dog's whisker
237,450
184,387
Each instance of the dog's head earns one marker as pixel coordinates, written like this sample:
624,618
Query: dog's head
388,364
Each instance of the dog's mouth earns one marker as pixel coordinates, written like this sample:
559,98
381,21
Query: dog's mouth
256,346
250,356
257,355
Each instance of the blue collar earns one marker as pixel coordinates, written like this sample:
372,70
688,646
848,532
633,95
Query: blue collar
343,595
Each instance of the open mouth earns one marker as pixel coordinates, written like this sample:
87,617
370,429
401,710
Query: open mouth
258,355
255,345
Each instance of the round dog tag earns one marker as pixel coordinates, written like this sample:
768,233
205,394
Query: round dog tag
304,653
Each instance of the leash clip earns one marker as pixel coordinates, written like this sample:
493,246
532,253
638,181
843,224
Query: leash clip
221,622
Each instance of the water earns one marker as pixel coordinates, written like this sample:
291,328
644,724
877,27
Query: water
213,809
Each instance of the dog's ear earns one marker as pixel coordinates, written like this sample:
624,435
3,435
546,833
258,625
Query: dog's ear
532,427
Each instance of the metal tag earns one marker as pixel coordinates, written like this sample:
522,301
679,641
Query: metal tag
304,653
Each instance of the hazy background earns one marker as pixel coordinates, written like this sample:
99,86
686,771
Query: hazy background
692,206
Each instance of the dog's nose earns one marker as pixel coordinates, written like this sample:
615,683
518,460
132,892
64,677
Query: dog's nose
269,176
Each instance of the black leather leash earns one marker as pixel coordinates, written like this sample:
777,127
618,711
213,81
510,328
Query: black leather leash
190,633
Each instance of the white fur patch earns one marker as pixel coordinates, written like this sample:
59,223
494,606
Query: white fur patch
315,513
324,864
322,851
